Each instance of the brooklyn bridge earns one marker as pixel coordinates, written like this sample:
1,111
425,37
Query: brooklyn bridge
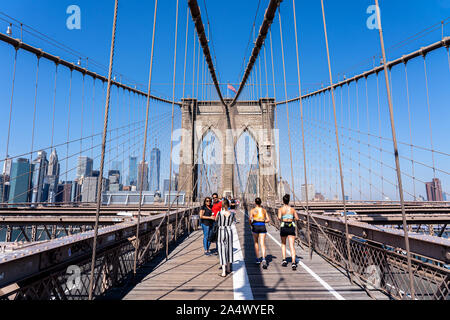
104,177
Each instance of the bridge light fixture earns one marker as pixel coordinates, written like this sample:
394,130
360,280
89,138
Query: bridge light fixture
79,62
9,30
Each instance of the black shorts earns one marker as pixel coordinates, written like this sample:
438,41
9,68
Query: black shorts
257,229
287,230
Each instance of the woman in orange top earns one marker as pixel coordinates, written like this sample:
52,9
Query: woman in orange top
258,218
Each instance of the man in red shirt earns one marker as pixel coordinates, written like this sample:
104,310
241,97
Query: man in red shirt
217,205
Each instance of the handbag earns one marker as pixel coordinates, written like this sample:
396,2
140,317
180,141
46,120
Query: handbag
214,233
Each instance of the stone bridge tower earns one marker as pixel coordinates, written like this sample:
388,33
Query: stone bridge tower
255,117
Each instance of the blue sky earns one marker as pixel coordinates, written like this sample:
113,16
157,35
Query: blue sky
352,47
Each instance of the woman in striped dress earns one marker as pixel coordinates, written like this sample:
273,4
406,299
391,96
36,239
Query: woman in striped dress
224,220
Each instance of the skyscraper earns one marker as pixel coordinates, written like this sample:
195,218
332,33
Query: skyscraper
84,167
4,189
5,180
67,192
39,178
155,165
117,166
311,192
142,176
20,181
89,188
434,190
114,180
53,176
75,194
132,171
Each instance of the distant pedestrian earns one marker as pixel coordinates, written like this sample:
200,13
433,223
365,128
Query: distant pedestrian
207,222
287,215
258,218
232,203
224,220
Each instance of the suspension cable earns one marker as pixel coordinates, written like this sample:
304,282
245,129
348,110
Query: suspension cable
185,53
68,121
275,97
303,133
34,125
54,107
429,115
287,107
144,148
171,134
337,140
265,69
397,162
105,130
10,114
410,128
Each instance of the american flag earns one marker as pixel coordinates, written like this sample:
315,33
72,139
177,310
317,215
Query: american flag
232,88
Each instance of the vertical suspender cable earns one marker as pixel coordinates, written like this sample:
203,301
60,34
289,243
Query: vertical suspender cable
265,69
92,114
10,114
303,132
141,187
337,141
381,140
171,134
68,124
287,106
260,77
82,114
105,130
193,67
397,162
185,53
350,151
368,140
197,70
429,114
33,128
54,106
410,129
184,93
275,97
359,140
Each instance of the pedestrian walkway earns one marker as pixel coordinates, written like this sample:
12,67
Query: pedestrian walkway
190,275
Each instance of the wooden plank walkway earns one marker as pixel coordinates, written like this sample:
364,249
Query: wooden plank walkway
190,275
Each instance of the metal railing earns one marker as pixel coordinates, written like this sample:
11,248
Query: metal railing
378,259
59,269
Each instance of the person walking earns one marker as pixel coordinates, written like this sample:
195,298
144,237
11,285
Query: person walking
224,220
287,215
258,218
207,222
